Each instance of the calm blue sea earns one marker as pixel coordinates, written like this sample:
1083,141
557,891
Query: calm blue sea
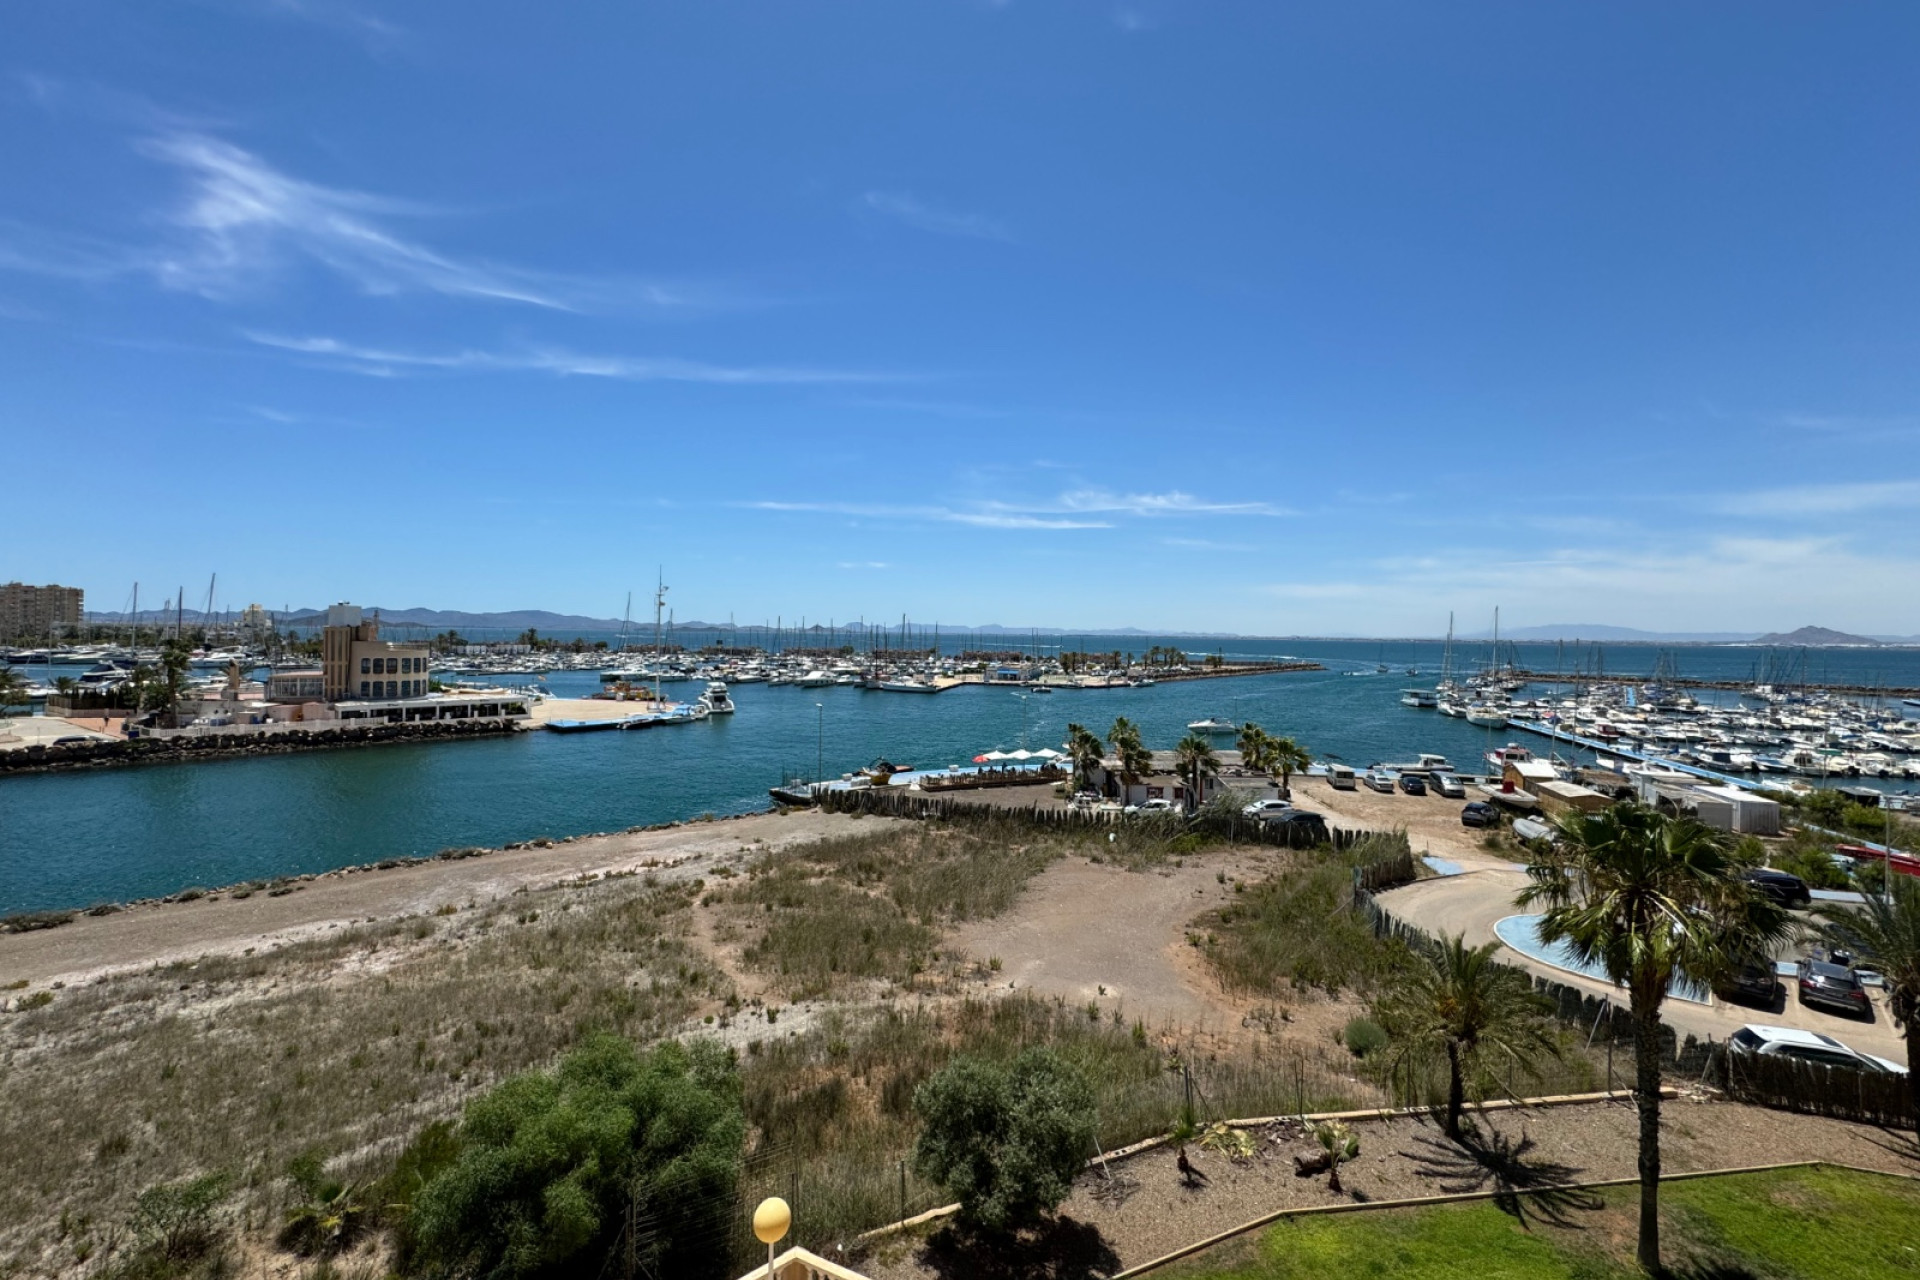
70,840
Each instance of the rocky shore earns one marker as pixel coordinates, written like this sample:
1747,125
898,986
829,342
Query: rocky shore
98,753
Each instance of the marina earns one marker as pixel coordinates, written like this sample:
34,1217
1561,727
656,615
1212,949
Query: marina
69,840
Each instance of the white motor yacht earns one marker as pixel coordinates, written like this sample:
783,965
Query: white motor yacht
715,699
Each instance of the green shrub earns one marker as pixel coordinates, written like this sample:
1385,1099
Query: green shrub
1006,1141
551,1163
1364,1036
174,1222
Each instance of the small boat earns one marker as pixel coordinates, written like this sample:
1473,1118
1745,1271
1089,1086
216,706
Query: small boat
1512,753
1453,709
1484,717
814,680
1421,698
715,699
909,686
1037,687
1213,726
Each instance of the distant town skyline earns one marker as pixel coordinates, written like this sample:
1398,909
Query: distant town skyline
1190,318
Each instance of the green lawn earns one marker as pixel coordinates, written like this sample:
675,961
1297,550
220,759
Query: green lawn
1816,1224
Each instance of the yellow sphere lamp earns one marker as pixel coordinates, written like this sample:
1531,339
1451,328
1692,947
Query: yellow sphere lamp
771,1219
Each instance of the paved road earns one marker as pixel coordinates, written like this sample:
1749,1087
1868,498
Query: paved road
1473,902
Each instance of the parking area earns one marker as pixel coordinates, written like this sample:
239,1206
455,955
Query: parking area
1474,902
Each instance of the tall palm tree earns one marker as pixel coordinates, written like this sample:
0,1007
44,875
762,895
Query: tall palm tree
13,687
1255,746
1196,764
1085,751
1136,762
1648,897
1454,999
1289,758
1884,933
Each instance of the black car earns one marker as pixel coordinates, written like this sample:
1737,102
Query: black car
1787,890
1479,814
1300,828
1413,784
1751,982
1833,986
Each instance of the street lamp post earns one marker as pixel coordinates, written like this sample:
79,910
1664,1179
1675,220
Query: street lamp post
770,1222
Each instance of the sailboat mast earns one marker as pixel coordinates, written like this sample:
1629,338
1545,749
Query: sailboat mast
659,602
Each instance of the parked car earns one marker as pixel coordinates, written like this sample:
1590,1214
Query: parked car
1380,780
1447,785
1751,982
1479,813
1267,808
1808,1046
1340,777
1300,827
1413,784
1787,890
1156,805
1834,986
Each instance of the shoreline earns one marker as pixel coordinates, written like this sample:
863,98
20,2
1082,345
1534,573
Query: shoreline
114,753
115,938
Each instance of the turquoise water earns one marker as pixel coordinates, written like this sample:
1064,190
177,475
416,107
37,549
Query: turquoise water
69,840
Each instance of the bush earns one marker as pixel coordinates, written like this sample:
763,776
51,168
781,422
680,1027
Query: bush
1005,1141
1364,1036
550,1163
174,1221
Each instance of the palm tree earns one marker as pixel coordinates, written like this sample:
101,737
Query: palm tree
13,687
1085,751
1136,762
1196,764
1455,999
1647,897
1256,747
1289,757
1884,933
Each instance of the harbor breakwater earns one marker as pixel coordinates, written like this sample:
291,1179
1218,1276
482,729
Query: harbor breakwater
96,753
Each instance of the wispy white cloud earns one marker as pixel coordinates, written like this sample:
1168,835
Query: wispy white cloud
388,361
1207,544
341,17
1076,509
978,518
915,212
864,564
1171,503
1821,499
242,219
240,224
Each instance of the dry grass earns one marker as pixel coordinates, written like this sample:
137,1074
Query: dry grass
819,916
345,1046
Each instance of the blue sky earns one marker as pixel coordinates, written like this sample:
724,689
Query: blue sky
1268,318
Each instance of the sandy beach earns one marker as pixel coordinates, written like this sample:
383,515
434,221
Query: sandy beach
221,924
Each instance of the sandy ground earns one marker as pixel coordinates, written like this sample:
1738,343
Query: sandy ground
18,732
1095,932
592,708
218,924
1153,1212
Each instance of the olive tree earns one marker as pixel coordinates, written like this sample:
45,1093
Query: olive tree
1005,1140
